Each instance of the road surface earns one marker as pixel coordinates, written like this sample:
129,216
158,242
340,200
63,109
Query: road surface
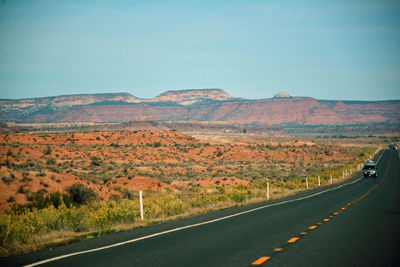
354,224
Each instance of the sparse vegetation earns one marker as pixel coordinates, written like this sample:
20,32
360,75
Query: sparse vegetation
7,180
101,174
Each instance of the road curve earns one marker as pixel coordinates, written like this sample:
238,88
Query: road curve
355,224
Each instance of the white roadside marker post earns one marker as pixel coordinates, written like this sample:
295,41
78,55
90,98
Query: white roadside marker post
319,181
343,175
331,178
267,190
307,182
141,205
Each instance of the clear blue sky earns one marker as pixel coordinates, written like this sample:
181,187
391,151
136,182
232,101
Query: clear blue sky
341,49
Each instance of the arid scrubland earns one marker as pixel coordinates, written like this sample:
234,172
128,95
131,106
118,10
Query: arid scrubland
61,187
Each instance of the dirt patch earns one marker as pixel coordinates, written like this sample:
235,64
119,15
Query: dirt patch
110,162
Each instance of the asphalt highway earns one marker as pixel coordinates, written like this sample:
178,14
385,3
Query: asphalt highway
353,224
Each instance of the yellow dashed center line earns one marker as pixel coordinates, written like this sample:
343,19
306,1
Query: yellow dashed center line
261,260
293,239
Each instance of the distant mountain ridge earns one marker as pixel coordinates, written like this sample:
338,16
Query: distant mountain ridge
199,105
191,96
180,96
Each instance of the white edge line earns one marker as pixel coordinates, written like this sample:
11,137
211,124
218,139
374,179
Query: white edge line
188,226
380,157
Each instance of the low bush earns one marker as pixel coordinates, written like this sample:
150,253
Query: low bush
11,199
95,161
7,180
81,194
51,161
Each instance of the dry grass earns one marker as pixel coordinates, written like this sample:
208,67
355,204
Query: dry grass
181,177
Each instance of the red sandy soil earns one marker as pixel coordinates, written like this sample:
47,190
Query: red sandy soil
222,181
138,183
130,160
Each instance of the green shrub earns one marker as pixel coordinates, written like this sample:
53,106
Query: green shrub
205,200
95,161
10,153
80,194
22,190
47,151
11,199
55,199
7,180
51,161
166,206
115,198
42,174
156,144
239,195
126,193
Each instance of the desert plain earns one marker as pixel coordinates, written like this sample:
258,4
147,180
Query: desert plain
52,180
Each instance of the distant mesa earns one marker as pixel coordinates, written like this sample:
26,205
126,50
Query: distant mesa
191,96
282,95
198,105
